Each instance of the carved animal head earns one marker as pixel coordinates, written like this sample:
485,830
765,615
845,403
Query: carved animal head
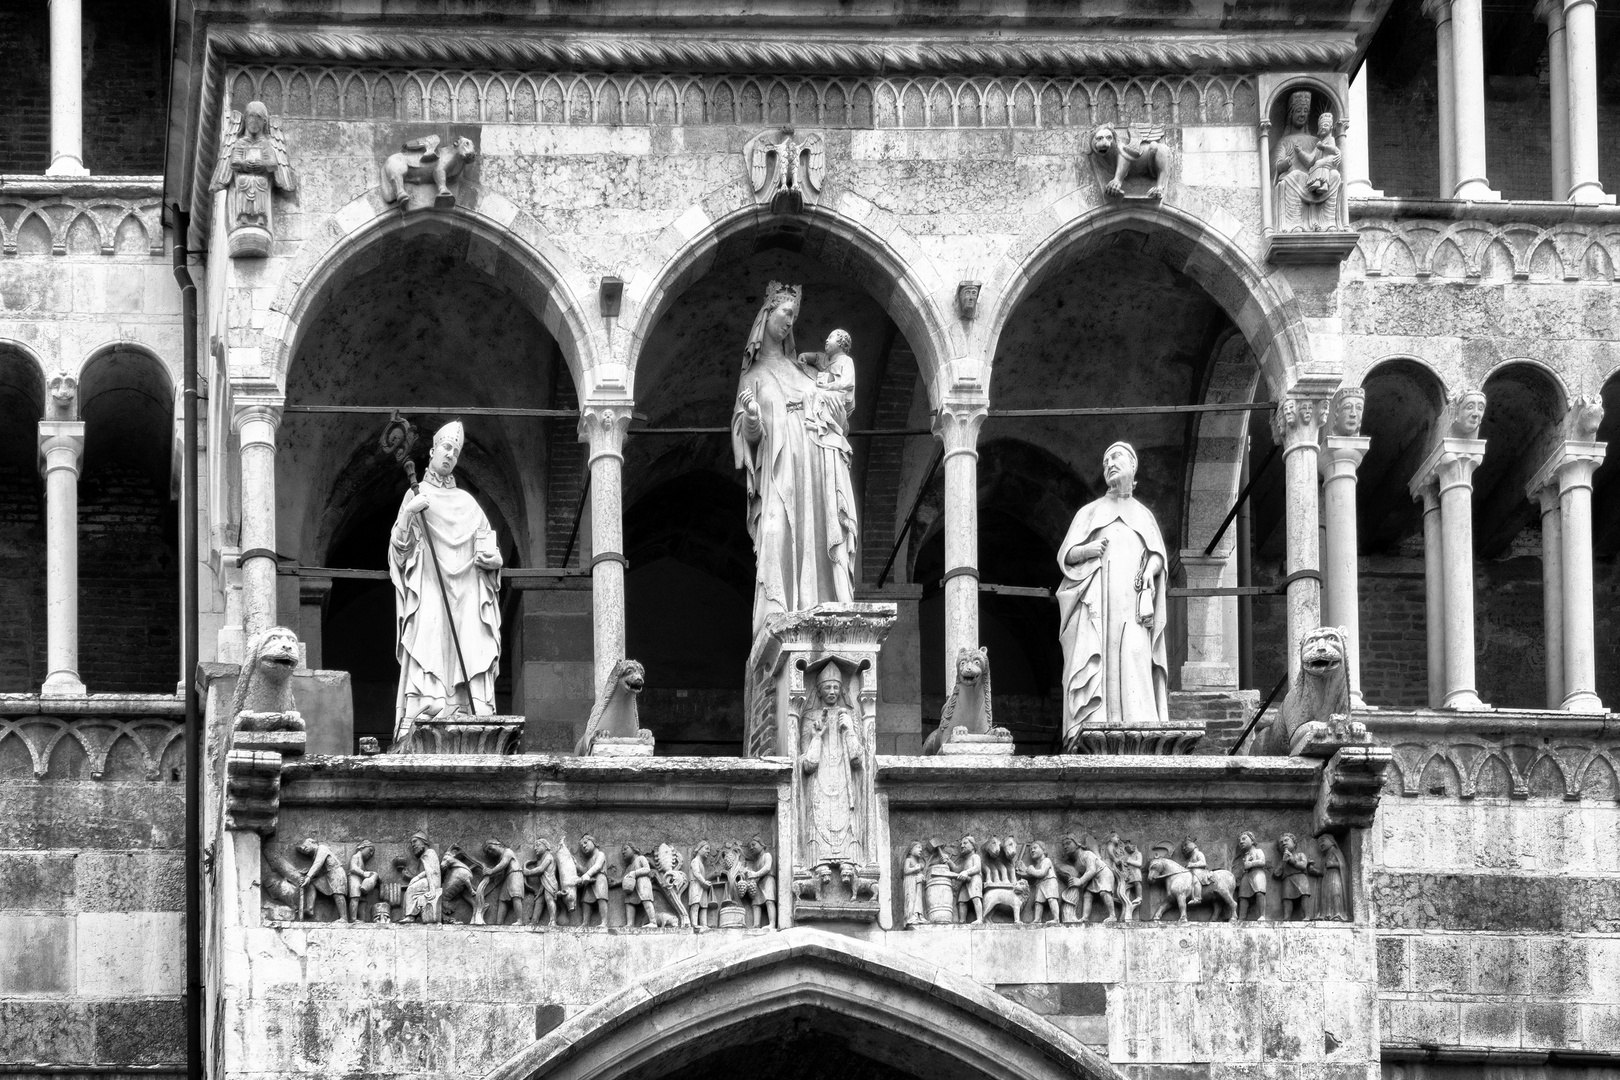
627,676
972,666
1322,653
263,685
1104,141
463,149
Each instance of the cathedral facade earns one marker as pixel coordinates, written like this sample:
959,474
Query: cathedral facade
897,540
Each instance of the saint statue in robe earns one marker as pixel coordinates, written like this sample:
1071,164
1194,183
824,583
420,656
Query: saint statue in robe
1111,610
1305,170
446,570
253,161
789,431
833,837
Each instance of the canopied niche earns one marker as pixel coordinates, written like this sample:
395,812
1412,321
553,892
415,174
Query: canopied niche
412,322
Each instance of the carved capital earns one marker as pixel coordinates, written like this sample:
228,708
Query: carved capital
1569,466
257,416
957,424
603,428
61,445
1342,455
1298,421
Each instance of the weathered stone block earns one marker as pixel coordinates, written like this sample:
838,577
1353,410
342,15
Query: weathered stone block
1004,955
1157,1023
131,880
36,954
140,1032
36,882
1086,956
1490,1023
1550,1025
1042,998
1393,967
1083,998
48,1031
1163,957
1497,902
131,954
1441,964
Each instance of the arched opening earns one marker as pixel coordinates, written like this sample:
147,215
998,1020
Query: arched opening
22,523
1606,549
844,1003
1027,496
129,531
1524,403
690,586
418,318
1404,401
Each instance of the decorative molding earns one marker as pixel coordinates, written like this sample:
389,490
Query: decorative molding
1352,780
676,52
1482,251
97,747
47,223
621,99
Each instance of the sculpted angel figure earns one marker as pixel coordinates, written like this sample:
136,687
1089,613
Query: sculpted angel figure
1305,170
1112,609
789,433
252,161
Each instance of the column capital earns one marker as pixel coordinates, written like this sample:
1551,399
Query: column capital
1450,464
256,417
61,445
1297,423
1570,465
1568,4
957,424
603,429
1342,454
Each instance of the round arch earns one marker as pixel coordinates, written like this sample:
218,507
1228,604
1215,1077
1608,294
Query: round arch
27,377
712,1000
897,273
1263,309
515,254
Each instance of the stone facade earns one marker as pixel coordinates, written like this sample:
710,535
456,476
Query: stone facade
577,288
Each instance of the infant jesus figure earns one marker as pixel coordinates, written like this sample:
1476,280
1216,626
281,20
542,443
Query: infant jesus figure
833,372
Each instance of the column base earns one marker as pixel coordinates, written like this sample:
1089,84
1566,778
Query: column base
1476,191
1465,701
62,684
1583,701
1590,194
67,165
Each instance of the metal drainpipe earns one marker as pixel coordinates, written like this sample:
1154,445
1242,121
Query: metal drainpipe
188,653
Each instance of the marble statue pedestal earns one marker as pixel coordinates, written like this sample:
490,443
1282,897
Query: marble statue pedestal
463,734
829,830
991,744
1178,737
638,745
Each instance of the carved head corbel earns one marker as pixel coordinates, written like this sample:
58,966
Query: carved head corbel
1465,411
967,300
64,398
1349,406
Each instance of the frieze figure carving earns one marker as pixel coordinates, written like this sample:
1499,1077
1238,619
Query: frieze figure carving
614,727
966,719
1251,878
1087,876
912,869
1584,418
967,869
325,876
1295,869
363,881
670,880
1003,887
425,886
638,887
1041,874
1127,154
1334,903
786,169
1112,608
1191,882
456,874
542,870
1305,170
1317,705
789,432
507,873
756,884
253,163
702,892
427,160
593,881
445,566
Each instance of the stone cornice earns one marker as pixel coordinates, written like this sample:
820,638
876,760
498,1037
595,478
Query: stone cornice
809,54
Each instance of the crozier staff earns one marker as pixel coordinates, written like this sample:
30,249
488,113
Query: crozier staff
1112,609
446,571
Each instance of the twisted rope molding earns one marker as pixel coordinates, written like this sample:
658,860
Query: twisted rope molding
813,57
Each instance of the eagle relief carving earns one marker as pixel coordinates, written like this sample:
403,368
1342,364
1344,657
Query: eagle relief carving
786,168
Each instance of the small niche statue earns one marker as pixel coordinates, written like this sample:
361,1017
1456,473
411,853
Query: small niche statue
1305,170
1112,610
834,805
253,162
446,569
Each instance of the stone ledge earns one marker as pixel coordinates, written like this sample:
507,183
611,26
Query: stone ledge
1101,779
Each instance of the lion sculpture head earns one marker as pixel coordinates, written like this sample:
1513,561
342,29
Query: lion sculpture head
264,688
615,714
1104,141
1320,692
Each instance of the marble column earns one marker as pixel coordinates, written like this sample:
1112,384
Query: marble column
1341,458
1434,594
61,446
957,424
1581,63
1446,83
1357,161
1551,12
602,428
1296,427
1552,590
67,91
1572,467
1468,101
1450,469
255,421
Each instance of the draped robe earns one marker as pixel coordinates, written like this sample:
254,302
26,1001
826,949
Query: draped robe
428,665
801,503
1115,670
834,817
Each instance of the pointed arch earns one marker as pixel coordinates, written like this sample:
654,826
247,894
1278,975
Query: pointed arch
714,999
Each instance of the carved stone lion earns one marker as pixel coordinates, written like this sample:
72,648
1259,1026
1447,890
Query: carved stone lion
1320,694
615,714
1122,158
264,699
428,165
967,710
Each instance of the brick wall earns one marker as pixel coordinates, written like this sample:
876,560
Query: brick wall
565,480
125,86
129,588
22,579
884,463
